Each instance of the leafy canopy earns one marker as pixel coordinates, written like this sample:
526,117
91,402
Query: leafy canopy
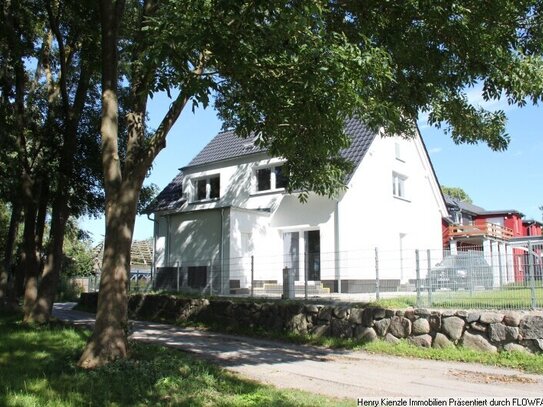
456,193
293,71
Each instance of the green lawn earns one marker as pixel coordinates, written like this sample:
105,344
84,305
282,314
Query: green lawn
507,298
38,368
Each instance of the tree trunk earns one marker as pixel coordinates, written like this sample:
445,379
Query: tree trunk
35,214
29,257
41,312
108,341
8,254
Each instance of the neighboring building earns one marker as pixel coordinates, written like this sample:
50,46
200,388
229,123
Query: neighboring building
470,227
229,203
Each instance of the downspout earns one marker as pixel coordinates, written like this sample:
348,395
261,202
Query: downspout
337,247
153,264
221,252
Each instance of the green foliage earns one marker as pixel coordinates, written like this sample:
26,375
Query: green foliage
4,225
78,256
456,193
291,72
38,367
532,363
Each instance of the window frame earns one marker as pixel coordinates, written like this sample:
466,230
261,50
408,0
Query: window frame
399,182
273,178
208,188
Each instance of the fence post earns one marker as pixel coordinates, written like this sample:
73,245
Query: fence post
500,266
532,274
210,268
252,275
417,268
177,279
305,276
428,276
377,293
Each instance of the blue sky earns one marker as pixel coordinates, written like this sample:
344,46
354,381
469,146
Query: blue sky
495,180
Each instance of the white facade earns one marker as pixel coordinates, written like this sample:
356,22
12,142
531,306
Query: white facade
393,204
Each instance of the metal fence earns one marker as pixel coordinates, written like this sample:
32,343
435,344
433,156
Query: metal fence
494,276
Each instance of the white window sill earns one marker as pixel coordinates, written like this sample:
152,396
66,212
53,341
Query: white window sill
268,192
204,201
401,198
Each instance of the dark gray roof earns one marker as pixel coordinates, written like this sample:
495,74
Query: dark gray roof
226,145
169,198
474,209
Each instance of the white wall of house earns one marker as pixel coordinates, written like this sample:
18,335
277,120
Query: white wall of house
372,216
365,217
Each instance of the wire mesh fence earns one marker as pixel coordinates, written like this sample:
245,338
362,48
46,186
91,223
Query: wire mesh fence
505,276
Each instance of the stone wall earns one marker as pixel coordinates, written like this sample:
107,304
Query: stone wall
486,331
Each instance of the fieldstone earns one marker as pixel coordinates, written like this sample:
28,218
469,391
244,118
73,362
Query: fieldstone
367,316
453,327
502,333
422,312
325,314
410,314
462,314
356,316
381,326
424,341
478,343
512,318
392,339
421,326
365,334
435,321
320,330
473,317
448,313
531,327
515,347
400,327
442,342
341,312
379,313
341,328
533,345
298,324
477,326
389,313
399,313
491,317
311,309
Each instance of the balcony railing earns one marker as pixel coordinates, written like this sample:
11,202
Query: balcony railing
482,229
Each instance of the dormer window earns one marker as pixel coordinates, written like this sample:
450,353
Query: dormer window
270,178
208,188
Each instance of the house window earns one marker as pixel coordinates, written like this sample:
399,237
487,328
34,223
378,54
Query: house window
208,188
398,185
271,178
398,151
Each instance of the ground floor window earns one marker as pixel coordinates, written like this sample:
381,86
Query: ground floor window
197,276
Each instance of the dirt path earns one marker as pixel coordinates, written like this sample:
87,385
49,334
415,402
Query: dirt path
337,373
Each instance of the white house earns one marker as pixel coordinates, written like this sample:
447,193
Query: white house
225,222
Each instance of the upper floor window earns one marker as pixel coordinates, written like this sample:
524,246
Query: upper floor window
271,178
398,151
398,185
208,188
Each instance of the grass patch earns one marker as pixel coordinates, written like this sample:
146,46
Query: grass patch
518,360
38,368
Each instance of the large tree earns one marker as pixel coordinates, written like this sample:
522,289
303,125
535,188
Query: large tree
292,72
456,193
